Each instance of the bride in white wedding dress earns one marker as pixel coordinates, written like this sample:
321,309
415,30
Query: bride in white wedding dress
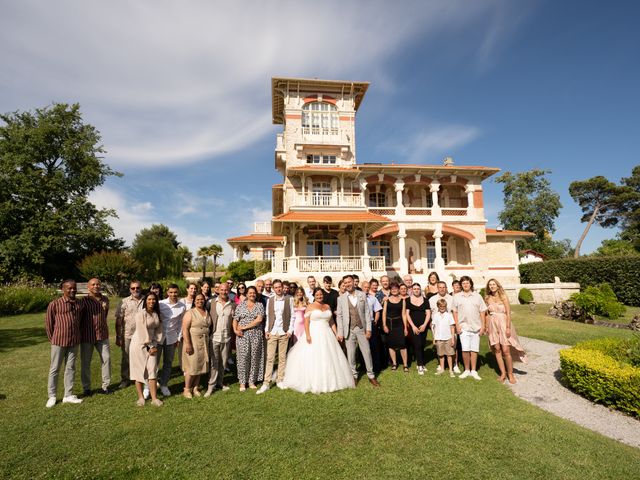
316,363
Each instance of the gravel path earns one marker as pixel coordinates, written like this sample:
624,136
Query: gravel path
538,383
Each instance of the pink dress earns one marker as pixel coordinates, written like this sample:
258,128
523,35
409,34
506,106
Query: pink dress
298,326
498,332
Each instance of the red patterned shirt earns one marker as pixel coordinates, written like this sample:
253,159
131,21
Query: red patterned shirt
62,322
93,325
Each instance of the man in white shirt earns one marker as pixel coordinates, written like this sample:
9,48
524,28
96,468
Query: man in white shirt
268,288
311,281
408,281
171,313
278,331
469,314
222,310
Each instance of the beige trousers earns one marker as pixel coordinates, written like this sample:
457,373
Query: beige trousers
280,343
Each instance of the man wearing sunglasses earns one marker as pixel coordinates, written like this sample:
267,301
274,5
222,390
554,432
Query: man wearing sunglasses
126,326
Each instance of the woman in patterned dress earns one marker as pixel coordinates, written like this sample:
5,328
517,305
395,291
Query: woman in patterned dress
247,325
195,354
502,334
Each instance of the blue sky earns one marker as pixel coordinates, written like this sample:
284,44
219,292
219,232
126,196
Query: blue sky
181,93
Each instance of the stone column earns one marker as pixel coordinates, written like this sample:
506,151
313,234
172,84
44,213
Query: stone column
439,261
399,186
404,265
435,209
293,259
366,267
469,189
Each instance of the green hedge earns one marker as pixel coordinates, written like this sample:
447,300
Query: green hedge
619,272
592,370
525,296
19,299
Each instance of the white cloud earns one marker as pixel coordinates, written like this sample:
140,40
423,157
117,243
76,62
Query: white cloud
430,144
167,81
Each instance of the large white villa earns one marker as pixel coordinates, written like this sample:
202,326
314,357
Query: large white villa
332,215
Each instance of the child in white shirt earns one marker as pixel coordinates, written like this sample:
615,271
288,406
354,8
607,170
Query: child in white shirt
443,327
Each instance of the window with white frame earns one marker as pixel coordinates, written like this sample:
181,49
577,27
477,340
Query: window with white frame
323,245
377,199
380,248
431,253
268,253
320,118
321,194
318,158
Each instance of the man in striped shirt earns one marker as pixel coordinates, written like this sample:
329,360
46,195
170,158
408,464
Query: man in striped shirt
94,333
62,324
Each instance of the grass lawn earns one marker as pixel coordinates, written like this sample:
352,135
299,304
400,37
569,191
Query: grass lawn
543,327
412,427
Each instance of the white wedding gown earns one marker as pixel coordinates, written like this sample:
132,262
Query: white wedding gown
319,366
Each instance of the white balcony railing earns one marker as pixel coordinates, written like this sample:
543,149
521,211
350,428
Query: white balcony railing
262,227
324,135
326,264
420,211
314,199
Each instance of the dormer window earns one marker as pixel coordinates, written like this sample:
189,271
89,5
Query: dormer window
320,118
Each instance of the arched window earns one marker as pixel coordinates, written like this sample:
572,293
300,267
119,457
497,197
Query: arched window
377,199
323,244
320,118
380,248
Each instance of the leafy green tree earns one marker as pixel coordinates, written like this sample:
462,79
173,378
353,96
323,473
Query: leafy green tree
598,200
616,247
214,250
241,271
50,160
156,249
113,268
629,208
529,205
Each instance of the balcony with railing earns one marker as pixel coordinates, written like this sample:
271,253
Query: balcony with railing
324,264
325,136
262,227
422,211
328,200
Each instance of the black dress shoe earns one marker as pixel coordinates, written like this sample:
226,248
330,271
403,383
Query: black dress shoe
105,391
87,393
374,382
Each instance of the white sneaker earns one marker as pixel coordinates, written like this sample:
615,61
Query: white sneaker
475,375
71,399
439,369
209,391
456,369
51,402
465,374
439,372
262,389
224,388
165,391
451,374
281,386
420,370
145,392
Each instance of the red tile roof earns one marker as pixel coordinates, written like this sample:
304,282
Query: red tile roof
500,233
257,238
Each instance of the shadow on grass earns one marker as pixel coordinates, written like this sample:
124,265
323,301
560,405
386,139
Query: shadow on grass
12,339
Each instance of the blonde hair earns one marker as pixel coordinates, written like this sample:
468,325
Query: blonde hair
300,302
502,295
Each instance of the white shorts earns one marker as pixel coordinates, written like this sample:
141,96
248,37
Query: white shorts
470,341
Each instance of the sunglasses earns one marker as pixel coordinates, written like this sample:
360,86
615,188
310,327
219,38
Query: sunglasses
134,288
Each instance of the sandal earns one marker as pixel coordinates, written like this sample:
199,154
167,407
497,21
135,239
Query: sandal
394,367
405,369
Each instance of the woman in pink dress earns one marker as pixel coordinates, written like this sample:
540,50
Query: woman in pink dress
503,339
300,304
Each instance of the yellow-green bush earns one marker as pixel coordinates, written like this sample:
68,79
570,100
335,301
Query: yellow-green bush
591,372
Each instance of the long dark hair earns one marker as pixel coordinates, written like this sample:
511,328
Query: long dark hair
158,286
156,307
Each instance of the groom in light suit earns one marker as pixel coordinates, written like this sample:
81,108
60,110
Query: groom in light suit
353,321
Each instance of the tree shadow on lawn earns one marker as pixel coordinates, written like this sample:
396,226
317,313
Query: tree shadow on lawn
12,339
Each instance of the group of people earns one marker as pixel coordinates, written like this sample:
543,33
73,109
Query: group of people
316,333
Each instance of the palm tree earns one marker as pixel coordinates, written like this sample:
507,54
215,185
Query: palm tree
214,250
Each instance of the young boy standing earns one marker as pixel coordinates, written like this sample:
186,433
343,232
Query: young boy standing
443,327
470,317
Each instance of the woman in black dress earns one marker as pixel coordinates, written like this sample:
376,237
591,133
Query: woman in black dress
394,323
418,316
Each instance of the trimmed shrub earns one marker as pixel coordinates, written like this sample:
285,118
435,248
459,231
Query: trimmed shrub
19,299
619,272
599,300
525,296
114,268
601,378
181,282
